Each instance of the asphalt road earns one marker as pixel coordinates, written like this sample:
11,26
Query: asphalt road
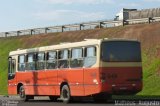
44,101
48,103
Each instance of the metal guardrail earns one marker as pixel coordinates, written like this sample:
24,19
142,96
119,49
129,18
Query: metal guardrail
81,26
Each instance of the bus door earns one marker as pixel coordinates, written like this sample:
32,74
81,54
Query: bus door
11,76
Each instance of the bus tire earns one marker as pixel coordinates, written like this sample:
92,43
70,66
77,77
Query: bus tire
22,94
65,94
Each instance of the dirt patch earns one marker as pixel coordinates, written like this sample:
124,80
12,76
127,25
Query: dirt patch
148,34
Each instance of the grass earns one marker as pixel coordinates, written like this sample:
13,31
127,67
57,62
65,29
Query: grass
151,64
151,77
6,45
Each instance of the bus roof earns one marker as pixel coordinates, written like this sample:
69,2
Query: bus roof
86,42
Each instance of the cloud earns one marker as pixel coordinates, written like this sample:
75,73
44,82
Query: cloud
77,1
69,16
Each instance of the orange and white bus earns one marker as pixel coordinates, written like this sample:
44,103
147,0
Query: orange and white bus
93,67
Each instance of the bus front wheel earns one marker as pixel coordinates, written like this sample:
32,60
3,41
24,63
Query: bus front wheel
65,94
22,94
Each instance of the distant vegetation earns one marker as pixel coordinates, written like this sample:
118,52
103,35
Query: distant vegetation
148,34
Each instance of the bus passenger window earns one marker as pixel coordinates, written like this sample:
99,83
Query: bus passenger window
90,56
51,60
21,63
40,61
31,62
77,58
63,59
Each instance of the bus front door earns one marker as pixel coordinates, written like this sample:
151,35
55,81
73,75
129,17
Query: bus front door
11,76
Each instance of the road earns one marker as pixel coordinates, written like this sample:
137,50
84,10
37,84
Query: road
44,101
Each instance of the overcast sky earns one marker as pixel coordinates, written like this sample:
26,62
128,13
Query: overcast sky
24,14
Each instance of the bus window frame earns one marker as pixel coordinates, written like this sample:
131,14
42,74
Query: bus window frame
21,63
68,59
34,61
46,59
37,60
76,58
96,55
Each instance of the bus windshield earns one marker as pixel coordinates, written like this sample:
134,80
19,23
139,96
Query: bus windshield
121,51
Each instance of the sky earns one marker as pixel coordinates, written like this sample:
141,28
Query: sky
27,14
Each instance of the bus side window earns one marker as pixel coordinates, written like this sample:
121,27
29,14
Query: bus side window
63,61
11,68
21,63
51,62
31,58
40,61
90,56
76,58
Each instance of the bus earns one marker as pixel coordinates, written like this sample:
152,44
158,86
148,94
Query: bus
97,68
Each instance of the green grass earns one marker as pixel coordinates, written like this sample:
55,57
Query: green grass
151,76
151,66
6,45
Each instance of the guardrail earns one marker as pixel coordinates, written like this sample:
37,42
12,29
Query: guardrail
81,26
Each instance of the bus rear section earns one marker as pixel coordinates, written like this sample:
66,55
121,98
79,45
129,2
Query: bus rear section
121,67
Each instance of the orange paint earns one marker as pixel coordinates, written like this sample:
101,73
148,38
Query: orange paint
82,81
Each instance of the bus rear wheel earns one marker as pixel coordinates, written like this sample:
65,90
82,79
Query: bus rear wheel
65,94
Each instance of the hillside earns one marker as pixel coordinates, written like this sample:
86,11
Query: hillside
148,34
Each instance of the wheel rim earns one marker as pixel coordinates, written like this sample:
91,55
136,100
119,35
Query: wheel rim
22,92
65,94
